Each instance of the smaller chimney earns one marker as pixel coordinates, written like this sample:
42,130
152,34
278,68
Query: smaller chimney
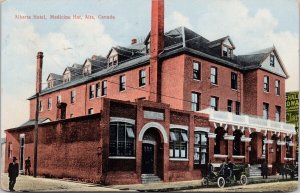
61,111
39,67
133,41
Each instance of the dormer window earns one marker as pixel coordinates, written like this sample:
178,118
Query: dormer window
87,70
113,60
50,84
272,60
67,77
227,52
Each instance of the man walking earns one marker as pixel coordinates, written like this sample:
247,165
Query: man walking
27,166
13,172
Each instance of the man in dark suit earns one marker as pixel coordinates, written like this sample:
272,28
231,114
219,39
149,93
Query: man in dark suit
13,172
27,166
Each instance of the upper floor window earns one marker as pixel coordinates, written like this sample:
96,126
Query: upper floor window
178,143
272,60
237,108
71,115
142,78
266,83
50,83
73,95
200,148
229,105
112,60
278,113
233,80
104,88
92,91
214,103
98,90
214,75
87,70
277,87
91,111
40,106
227,52
122,83
121,139
196,71
195,101
49,103
58,99
265,110
67,77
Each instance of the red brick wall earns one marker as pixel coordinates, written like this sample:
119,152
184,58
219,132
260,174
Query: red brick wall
82,100
206,89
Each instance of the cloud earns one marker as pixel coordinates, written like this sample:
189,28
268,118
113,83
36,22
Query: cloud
175,20
251,32
72,43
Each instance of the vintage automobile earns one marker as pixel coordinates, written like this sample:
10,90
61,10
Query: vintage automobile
223,177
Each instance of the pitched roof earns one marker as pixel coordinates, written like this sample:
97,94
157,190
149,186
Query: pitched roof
55,76
32,122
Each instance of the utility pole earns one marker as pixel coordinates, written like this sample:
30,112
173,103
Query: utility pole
39,67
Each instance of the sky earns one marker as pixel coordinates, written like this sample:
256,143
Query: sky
251,24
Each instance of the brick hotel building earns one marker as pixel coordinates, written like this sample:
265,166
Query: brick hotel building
164,107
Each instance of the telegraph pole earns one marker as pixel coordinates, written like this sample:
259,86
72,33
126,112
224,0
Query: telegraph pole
38,90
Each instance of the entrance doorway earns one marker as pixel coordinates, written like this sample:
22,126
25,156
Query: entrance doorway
147,158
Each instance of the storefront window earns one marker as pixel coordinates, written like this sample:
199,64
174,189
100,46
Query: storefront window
200,148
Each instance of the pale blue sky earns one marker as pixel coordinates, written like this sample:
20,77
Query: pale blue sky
251,24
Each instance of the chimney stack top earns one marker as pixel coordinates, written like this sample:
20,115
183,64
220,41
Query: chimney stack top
133,41
40,55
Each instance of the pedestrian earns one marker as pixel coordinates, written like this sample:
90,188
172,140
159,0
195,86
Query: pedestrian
27,166
223,167
13,172
264,169
210,168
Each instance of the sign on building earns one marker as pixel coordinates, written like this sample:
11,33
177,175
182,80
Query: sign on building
292,108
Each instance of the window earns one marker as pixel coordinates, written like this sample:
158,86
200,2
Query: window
104,88
49,103
58,99
196,71
289,149
40,106
142,78
200,148
237,108
97,89
266,83
278,113
265,110
233,80
272,60
227,52
178,143
277,87
92,91
214,103
229,105
91,111
87,70
195,101
122,83
213,75
71,115
73,95
237,143
10,148
121,139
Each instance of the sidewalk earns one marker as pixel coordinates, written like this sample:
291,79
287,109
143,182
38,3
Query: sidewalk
185,185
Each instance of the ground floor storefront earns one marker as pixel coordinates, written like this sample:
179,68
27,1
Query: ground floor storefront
130,140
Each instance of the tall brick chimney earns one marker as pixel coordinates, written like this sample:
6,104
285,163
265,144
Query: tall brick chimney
156,46
39,67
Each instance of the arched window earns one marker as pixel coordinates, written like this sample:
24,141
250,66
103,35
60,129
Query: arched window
178,143
218,140
121,139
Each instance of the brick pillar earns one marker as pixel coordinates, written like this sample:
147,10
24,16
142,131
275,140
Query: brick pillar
294,147
166,146
230,143
211,145
191,143
138,150
156,46
282,149
104,138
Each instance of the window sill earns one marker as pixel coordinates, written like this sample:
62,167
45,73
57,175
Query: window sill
266,92
91,98
234,89
213,84
179,159
197,80
120,157
220,155
122,90
238,156
142,86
